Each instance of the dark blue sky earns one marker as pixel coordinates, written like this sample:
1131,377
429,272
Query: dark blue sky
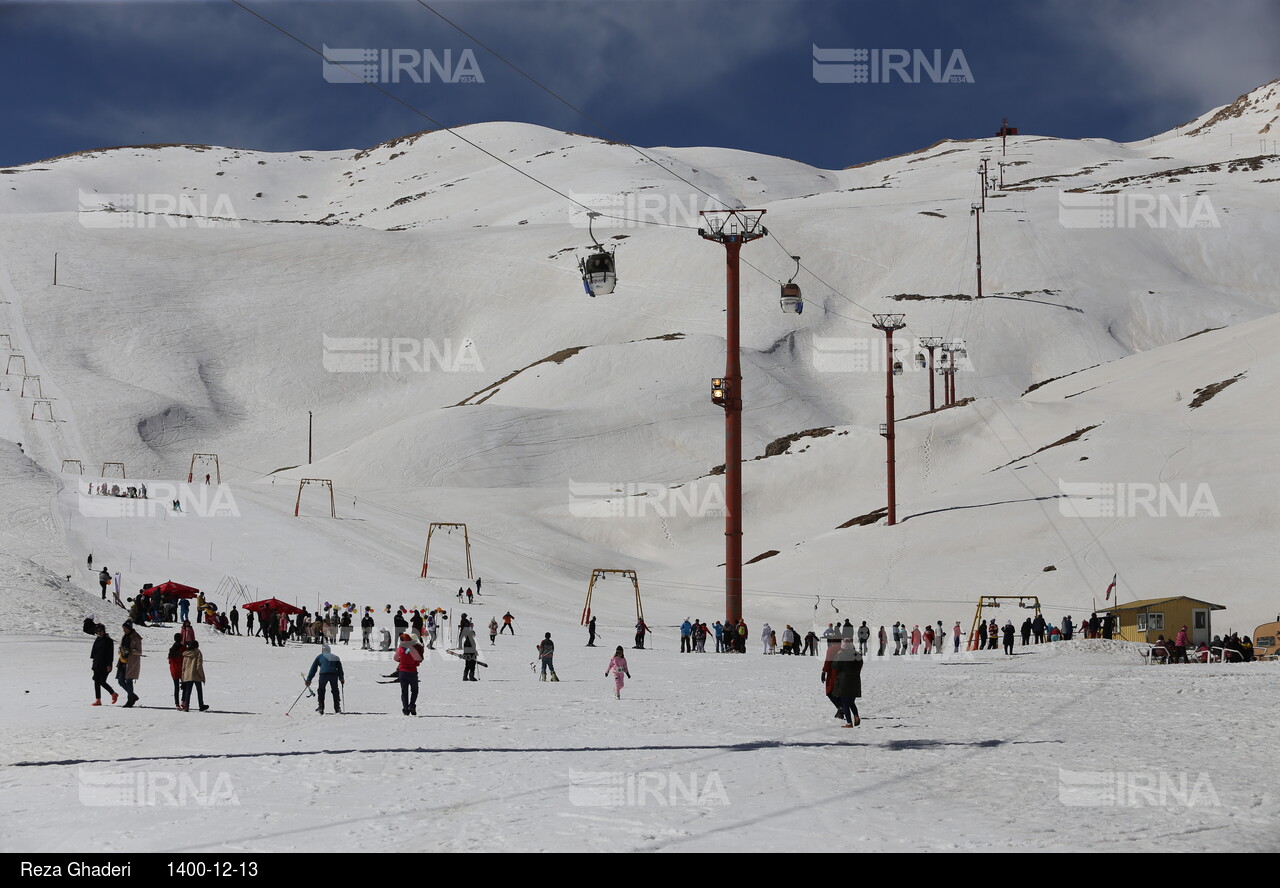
738,74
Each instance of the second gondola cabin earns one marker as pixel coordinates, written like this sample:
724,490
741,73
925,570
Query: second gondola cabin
599,275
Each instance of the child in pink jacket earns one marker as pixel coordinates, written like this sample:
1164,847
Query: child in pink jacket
618,666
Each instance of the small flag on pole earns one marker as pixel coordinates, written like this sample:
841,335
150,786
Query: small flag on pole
1112,586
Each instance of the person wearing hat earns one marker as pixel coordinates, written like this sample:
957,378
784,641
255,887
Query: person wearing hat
618,666
100,657
329,665
130,665
547,650
470,654
408,655
193,674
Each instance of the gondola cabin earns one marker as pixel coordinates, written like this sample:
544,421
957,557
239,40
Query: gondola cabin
791,299
897,368
921,362
599,276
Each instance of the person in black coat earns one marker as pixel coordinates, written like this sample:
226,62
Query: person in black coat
847,663
1037,626
102,657
1026,632
1008,637
591,628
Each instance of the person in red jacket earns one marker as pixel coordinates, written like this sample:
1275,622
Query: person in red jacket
188,632
829,673
175,666
408,656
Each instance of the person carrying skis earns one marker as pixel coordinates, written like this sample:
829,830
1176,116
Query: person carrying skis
641,629
493,631
507,621
104,580
547,650
618,666
193,675
470,653
591,632
408,655
100,659
329,666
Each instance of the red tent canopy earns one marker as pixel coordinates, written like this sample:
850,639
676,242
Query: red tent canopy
172,588
273,604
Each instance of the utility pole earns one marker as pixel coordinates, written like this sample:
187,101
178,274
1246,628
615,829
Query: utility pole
308,437
888,323
976,212
55,269
732,228
982,174
930,343
953,348
1002,166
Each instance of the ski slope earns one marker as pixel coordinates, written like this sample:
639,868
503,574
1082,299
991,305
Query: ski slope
578,434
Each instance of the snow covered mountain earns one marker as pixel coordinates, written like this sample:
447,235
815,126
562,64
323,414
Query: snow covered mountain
573,433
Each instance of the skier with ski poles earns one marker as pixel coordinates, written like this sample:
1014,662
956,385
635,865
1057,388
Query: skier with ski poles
618,666
591,633
507,621
329,666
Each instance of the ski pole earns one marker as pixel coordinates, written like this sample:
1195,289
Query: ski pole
295,702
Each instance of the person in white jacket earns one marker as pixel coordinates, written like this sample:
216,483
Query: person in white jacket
939,638
765,632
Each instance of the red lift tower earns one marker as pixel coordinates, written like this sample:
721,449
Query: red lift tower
888,323
732,228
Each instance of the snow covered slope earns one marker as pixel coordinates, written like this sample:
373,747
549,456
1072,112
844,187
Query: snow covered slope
176,336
